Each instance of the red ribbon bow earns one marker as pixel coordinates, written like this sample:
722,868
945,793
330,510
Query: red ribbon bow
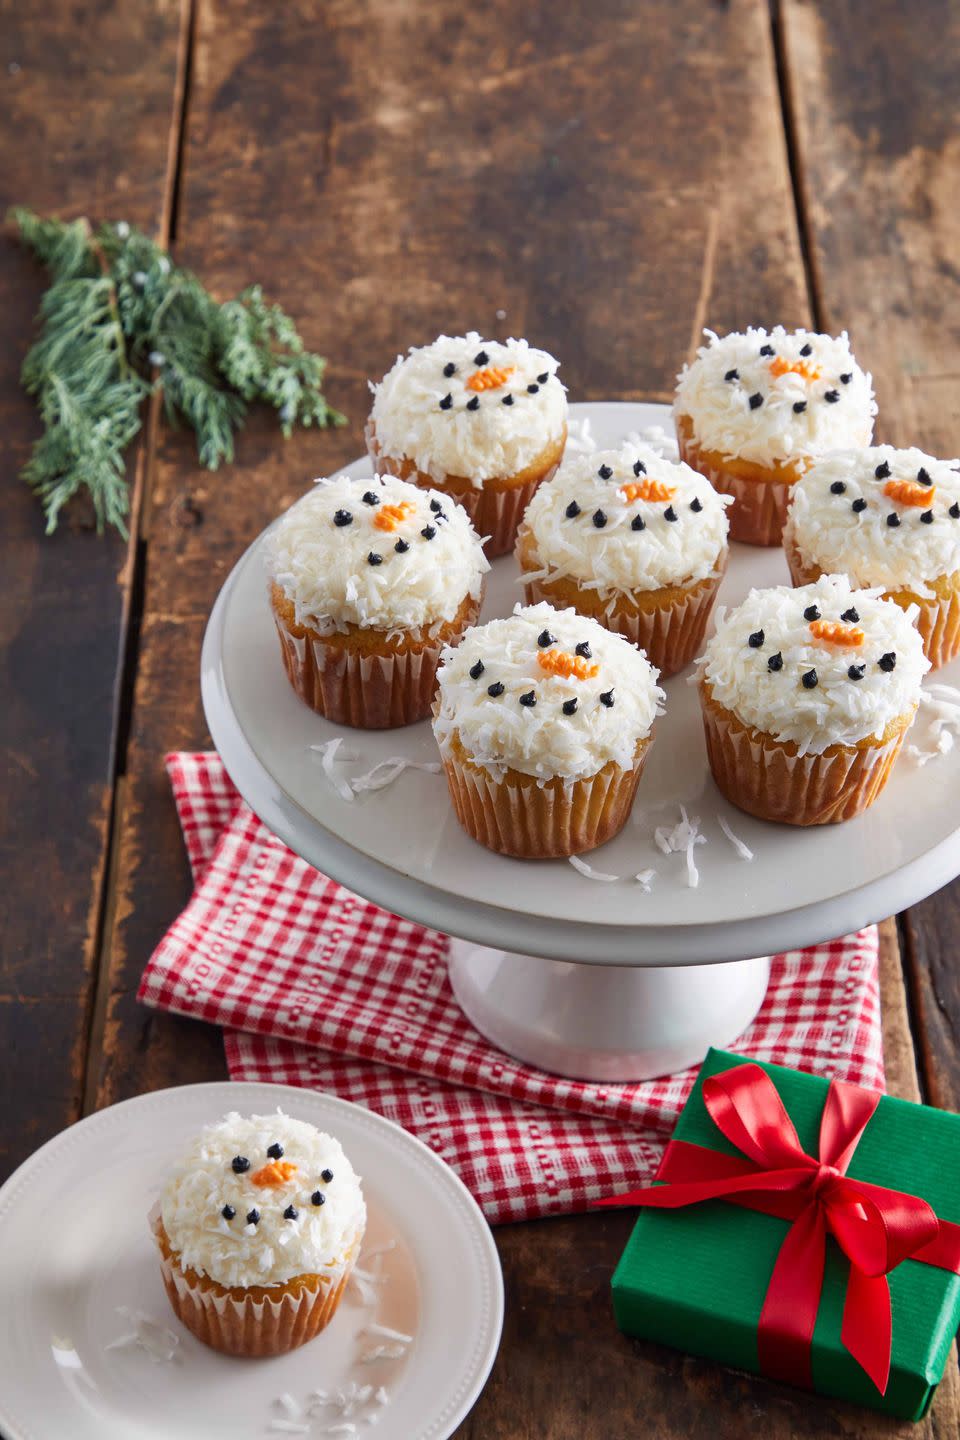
876,1228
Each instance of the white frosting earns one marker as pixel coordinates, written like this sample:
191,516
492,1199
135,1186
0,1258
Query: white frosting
838,709
720,409
498,732
615,558
492,440
233,1252
861,543
324,568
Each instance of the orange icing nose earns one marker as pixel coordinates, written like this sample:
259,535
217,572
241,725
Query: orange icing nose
388,517
647,490
906,492
831,632
557,662
274,1174
491,377
779,366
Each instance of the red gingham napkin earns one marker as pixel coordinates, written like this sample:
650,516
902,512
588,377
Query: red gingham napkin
332,992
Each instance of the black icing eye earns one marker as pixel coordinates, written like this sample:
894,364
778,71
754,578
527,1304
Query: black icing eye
857,672
696,505
599,519
507,400
923,477
604,472
954,511
893,519
275,1151
474,404
495,690
755,640
767,350
845,379
318,1198
851,616
583,649
882,471
670,514
370,499
253,1217
528,699
374,559
888,661
447,402
326,1176
806,349
832,396
637,523
809,679
482,359
542,379
811,613
639,468
228,1212
606,698
926,518
291,1212
435,506
570,706
239,1164
858,505
477,670
799,406
401,547
732,375
449,369
775,662
572,510
533,389
756,400
837,488
341,518
428,532
545,638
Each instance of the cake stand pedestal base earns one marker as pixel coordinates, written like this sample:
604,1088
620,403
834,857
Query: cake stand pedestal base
605,1022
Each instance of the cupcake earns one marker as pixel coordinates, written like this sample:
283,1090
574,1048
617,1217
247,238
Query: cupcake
258,1228
485,421
544,724
887,518
633,541
369,580
752,411
807,695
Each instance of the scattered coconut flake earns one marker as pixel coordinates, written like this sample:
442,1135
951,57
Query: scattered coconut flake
589,871
328,758
344,1427
288,1405
682,837
645,878
384,773
385,1333
658,439
937,725
147,1334
381,1396
741,848
383,1352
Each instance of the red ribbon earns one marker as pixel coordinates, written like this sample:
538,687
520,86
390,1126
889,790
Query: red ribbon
876,1228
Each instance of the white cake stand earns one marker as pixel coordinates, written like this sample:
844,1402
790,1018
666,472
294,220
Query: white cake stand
589,979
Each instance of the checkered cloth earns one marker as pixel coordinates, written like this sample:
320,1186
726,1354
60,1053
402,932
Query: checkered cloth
318,987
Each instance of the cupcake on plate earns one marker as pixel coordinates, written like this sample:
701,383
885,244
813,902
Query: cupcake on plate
752,411
369,580
485,421
633,541
258,1227
544,723
807,695
887,518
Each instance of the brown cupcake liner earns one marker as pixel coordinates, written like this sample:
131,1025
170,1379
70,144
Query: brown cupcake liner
939,617
516,816
238,1324
759,511
768,778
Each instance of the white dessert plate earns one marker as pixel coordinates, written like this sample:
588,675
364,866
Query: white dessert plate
86,1332
403,848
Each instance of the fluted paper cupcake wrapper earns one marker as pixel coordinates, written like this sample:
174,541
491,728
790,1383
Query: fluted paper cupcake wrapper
767,778
938,620
759,512
516,816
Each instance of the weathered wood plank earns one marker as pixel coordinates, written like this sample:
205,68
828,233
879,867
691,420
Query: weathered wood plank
90,102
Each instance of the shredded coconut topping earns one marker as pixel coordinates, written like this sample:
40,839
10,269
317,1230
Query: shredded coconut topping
683,838
766,665
510,710
742,849
378,778
840,517
618,521
320,555
588,871
473,433
937,725
147,1334
804,395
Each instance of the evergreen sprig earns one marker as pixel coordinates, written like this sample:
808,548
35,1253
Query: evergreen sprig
117,314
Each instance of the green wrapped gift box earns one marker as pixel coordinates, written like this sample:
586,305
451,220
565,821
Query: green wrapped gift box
696,1278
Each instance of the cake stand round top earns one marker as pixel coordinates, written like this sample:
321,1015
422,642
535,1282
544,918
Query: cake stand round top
403,848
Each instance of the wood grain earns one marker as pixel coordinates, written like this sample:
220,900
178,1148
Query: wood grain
85,127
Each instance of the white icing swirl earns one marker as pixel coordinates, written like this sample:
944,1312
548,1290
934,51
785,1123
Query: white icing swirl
678,545
861,543
491,440
836,709
835,412
498,732
325,569
235,1252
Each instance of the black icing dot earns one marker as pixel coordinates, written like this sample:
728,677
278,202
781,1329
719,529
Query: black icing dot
954,511
327,1175
482,359
291,1212
447,402
809,679
639,468
859,505
756,400
449,369
775,662
846,378
696,504
893,519
495,689
533,389
926,518
572,510
342,517
401,547
811,613
637,523
369,498
732,375
528,699
799,406
477,670
545,638
888,661
832,396
507,400
228,1212
570,706
318,1198
584,650
857,672
767,350
542,379
604,472
374,559
606,698
882,471
837,488
435,506
275,1151
599,519
474,404
806,349
670,514
851,616
239,1164
923,477
755,640
253,1217
428,532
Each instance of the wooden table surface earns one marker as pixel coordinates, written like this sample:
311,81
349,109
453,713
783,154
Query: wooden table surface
605,178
